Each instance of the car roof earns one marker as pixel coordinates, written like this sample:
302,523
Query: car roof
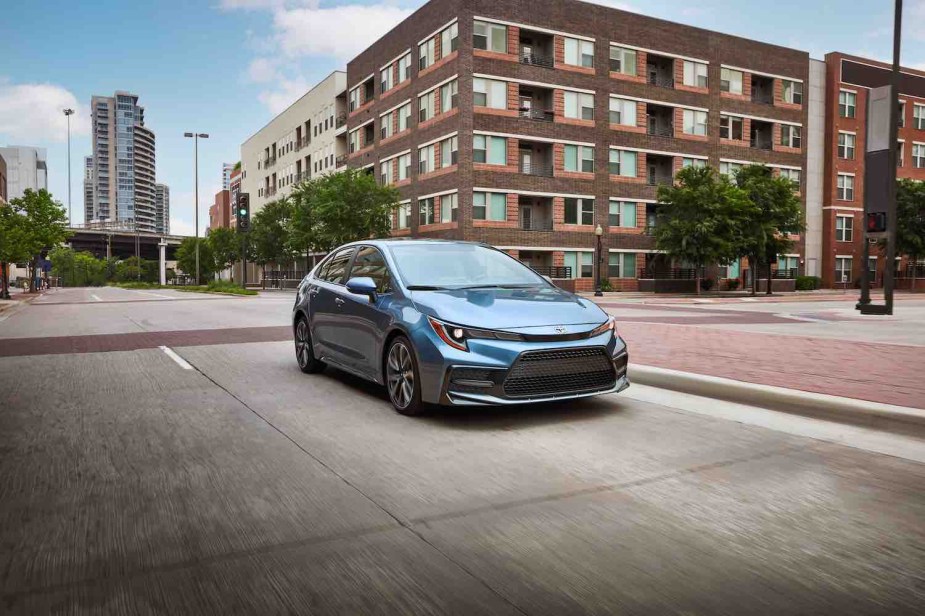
408,240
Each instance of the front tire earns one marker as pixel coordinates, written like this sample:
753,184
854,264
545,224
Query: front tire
402,377
304,353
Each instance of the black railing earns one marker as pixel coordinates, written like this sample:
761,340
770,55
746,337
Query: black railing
762,99
660,131
536,169
269,162
658,180
277,279
760,144
907,272
536,225
534,59
661,81
537,114
553,271
785,274
677,273
341,120
340,160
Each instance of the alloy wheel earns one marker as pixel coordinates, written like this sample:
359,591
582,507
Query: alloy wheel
302,344
400,374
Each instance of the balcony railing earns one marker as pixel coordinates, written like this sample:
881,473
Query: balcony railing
340,161
762,99
784,274
661,81
302,143
538,115
676,273
553,271
269,161
536,225
341,120
271,191
658,180
536,169
302,176
760,145
534,59
660,131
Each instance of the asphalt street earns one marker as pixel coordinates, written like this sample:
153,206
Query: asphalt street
212,476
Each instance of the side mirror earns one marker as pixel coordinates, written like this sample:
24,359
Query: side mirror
363,285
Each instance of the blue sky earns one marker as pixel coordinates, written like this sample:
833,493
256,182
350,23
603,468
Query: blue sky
224,67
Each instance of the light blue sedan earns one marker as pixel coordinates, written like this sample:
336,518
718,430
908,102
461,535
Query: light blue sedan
453,323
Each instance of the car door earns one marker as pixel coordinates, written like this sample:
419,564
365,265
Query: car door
366,321
324,305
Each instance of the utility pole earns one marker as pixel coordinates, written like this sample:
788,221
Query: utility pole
67,114
196,137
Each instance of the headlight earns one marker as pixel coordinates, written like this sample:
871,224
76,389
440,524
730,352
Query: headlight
450,334
609,325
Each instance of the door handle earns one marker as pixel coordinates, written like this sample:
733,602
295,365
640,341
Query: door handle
313,291
338,301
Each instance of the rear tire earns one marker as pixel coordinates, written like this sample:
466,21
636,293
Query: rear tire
304,353
402,377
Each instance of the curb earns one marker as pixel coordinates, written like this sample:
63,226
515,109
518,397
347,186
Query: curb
848,410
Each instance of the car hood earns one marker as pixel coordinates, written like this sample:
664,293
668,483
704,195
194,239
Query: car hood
508,309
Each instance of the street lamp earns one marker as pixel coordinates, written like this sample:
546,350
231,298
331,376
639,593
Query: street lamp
599,231
196,137
67,114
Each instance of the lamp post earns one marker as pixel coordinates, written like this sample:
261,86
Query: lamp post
67,114
196,137
599,232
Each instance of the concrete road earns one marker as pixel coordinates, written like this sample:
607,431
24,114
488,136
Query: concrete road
214,477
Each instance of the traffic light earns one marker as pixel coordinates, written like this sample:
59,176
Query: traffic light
243,213
876,222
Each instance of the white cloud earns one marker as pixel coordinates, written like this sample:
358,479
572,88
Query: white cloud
32,112
339,31
913,18
182,219
253,5
262,70
286,93
616,4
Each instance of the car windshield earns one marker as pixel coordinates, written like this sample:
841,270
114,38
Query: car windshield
456,266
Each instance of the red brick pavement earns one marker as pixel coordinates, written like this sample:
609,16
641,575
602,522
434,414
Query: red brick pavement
888,373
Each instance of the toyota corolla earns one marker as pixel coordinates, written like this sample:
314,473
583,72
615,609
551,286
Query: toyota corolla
453,323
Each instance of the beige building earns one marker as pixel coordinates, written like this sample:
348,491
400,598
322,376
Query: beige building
308,139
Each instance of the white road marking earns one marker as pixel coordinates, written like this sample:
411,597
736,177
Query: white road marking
172,355
161,295
95,297
747,299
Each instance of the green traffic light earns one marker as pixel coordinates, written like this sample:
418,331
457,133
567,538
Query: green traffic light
243,211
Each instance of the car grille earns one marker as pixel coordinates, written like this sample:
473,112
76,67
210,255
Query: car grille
566,371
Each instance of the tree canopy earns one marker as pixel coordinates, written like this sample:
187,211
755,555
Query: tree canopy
910,218
269,234
226,248
42,225
186,258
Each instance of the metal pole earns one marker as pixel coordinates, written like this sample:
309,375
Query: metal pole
69,219
196,191
894,130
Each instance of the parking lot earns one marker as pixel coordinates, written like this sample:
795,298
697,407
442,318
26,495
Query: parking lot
161,452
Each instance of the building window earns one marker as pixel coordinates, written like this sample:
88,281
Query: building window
426,106
426,207
404,117
579,106
404,215
844,228
622,111
787,264
449,152
729,169
695,74
693,162
872,267
385,126
489,93
918,155
579,211
842,269
489,206
622,60
623,163
900,150
621,214
579,52
793,91
846,145
847,103
354,140
386,82
793,175
918,116
621,265
354,100
730,127
901,121
404,167
845,187
791,136
491,150
449,40
426,158
695,122
579,158
730,80
404,68
491,37
449,96
385,172
449,207
426,54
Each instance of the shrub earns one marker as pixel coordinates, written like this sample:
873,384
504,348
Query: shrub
808,283
605,285
706,283
732,284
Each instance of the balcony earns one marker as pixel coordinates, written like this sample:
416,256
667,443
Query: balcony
302,143
270,191
341,120
536,103
659,120
535,213
761,136
340,161
535,158
660,170
762,90
269,161
536,48
660,71
540,115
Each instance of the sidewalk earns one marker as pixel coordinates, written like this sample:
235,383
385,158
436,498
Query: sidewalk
822,295
891,374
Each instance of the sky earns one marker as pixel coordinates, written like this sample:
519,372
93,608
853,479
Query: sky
226,67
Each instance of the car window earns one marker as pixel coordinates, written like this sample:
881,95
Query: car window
369,262
336,270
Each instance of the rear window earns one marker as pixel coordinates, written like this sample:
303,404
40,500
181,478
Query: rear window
335,270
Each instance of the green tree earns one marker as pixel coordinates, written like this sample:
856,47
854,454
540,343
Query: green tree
910,221
776,214
269,234
44,225
226,248
186,258
699,218
338,208
13,245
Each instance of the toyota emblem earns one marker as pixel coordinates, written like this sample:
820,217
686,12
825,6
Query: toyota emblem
560,329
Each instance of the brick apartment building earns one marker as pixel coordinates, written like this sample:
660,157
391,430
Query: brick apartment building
527,124
845,132
220,210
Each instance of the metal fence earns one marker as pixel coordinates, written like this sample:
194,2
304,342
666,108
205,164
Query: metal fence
553,271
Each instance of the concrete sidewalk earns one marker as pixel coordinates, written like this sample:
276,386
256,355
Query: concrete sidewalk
884,373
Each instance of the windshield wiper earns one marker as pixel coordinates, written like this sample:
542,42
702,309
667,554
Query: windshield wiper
425,287
501,286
